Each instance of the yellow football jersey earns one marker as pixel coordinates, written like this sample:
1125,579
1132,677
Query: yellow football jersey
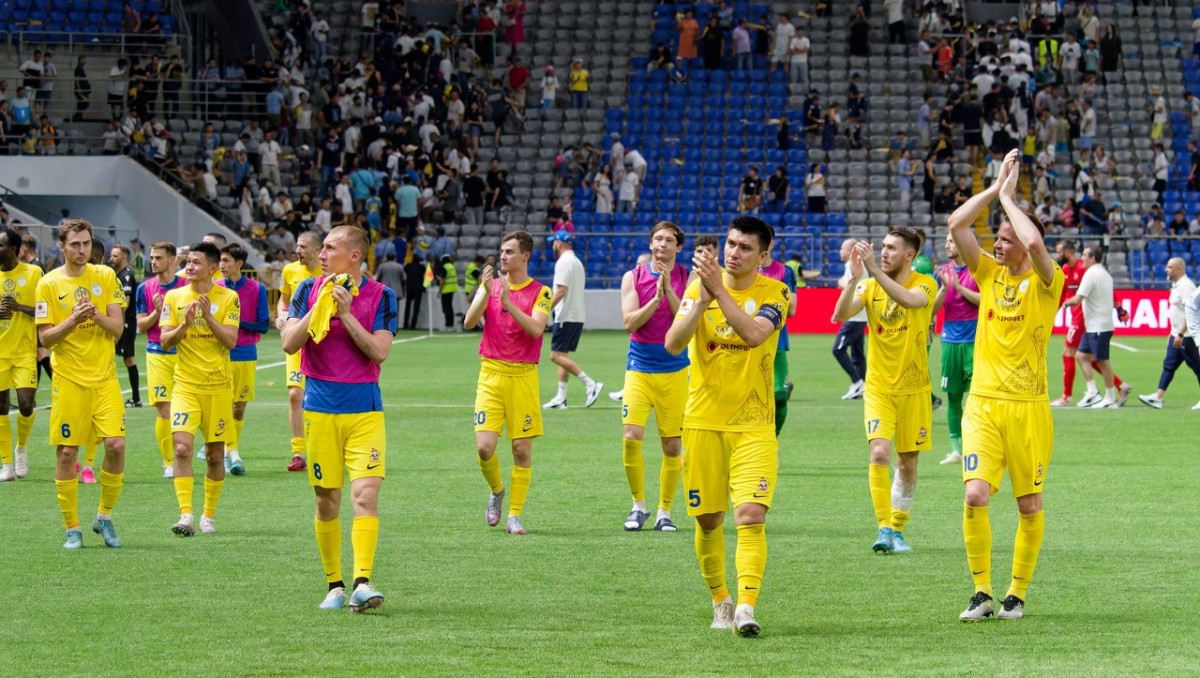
85,356
203,361
897,360
731,386
17,334
293,274
1016,316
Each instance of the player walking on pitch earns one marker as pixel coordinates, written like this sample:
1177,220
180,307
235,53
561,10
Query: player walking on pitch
18,368
308,246
79,315
896,401
254,322
959,295
728,319
1007,423
514,308
160,362
201,322
344,322
654,379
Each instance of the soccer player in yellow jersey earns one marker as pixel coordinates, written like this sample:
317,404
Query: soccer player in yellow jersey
896,399
308,247
78,314
201,322
160,363
18,363
1007,422
729,320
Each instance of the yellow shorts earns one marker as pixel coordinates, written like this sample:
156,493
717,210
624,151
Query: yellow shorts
907,417
82,415
665,393
294,378
244,372
160,377
508,400
1013,433
341,443
210,413
723,465
18,372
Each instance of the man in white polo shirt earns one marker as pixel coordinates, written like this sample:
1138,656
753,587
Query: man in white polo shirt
1181,345
568,304
1096,294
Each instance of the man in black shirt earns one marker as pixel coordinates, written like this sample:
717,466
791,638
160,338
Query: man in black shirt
83,90
474,190
118,258
329,159
750,197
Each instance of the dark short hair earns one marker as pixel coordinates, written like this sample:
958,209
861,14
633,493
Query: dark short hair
72,226
756,227
909,235
235,252
524,240
124,249
669,226
209,250
706,241
12,238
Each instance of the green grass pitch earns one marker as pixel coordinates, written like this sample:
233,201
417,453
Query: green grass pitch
1115,591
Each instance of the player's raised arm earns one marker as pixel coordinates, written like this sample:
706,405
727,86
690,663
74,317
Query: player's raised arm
848,304
903,296
479,302
633,314
962,220
1027,231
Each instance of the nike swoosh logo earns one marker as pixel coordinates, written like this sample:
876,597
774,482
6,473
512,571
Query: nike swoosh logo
372,468
1038,483
218,434
328,574
526,429
979,572
759,496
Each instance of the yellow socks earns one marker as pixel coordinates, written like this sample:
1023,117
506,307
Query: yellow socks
237,434
89,457
298,447
24,427
899,519
68,501
668,480
977,534
520,488
1030,530
491,473
6,448
364,535
635,468
183,492
877,477
329,543
212,494
751,560
710,551
166,443
110,490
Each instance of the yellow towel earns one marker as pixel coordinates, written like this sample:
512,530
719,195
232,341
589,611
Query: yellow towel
323,310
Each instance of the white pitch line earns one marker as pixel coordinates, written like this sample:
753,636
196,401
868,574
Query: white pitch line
1127,348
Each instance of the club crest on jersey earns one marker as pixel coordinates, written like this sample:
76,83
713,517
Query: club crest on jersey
11,285
749,306
922,433
374,454
245,390
763,485
1039,470
220,424
82,293
528,420
96,290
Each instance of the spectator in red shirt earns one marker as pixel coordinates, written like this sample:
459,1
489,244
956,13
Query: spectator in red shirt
518,79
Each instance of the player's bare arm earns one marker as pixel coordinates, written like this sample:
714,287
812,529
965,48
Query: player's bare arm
375,345
848,305
962,220
1026,231
634,315
52,334
479,303
9,305
664,280
173,334
295,333
146,320
903,296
